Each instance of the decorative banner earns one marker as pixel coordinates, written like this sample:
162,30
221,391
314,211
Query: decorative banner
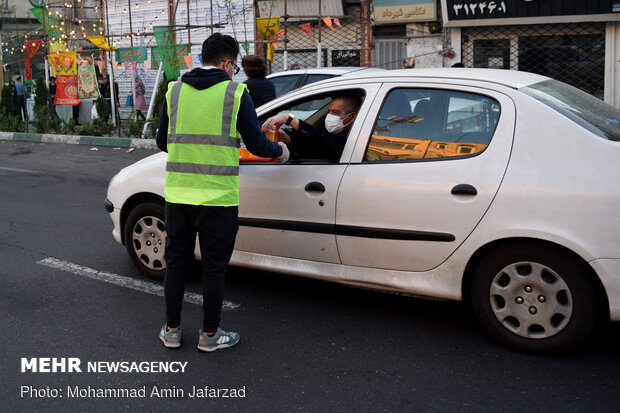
281,33
63,64
134,65
337,22
87,80
270,53
49,22
37,3
67,90
169,58
100,42
58,46
246,47
32,48
188,61
180,51
131,54
306,28
100,65
268,26
328,22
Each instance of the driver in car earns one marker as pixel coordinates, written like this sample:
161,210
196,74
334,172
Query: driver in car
309,142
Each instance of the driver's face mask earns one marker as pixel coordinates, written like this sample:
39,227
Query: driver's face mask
334,123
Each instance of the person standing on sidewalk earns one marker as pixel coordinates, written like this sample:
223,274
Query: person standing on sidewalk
20,99
203,117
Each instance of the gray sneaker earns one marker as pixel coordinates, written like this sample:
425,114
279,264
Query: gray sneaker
221,339
170,338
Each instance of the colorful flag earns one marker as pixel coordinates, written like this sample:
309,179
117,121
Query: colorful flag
246,47
58,46
87,80
306,28
188,61
100,42
63,64
337,22
268,26
180,51
328,22
131,54
32,48
165,45
49,22
67,90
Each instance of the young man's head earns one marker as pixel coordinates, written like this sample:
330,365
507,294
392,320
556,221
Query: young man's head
254,66
221,51
19,78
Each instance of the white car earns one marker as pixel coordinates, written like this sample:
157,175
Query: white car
496,187
289,80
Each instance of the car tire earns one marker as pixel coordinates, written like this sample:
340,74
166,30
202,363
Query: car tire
534,298
145,239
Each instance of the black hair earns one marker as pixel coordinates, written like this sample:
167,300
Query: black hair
254,66
219,46
52,78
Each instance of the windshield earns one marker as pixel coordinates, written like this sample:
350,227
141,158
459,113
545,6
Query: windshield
589,112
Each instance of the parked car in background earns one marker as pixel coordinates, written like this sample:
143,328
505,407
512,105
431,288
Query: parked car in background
294,79
498,188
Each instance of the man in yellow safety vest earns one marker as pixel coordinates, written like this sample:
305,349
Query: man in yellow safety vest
203,118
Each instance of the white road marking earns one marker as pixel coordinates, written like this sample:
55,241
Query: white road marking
123,281
26,171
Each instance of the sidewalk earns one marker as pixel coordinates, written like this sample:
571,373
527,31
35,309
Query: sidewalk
80,140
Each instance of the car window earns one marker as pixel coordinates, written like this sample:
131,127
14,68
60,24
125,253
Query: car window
582,108
316,77
284,84
415,124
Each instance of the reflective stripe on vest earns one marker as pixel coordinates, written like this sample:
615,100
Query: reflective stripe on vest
203,144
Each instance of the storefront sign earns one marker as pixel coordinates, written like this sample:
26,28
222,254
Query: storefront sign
468,12
404,11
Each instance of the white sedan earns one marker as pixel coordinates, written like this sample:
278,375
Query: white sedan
499,188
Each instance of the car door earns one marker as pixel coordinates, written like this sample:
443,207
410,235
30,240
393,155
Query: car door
289,209
424,176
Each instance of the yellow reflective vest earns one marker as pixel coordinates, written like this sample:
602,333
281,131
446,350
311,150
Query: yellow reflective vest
203,144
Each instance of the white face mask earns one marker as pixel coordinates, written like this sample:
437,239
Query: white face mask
334,123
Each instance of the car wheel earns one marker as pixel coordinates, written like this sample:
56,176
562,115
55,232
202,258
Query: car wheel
534,298
145,239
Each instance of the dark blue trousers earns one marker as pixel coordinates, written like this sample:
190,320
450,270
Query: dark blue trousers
217,229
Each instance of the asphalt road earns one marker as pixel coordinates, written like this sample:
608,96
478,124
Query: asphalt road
305,345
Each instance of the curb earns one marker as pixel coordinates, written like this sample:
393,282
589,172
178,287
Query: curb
81,140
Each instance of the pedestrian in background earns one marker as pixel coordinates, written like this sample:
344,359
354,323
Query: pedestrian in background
140,102
53,96
20,99
409,63
261,89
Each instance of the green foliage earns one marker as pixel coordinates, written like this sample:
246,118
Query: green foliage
102,126
42,109
10,122
134,126
6,101
88,130
70,127
103,110
162,88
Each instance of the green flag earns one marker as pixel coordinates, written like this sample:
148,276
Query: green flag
246,47
165,44
50,24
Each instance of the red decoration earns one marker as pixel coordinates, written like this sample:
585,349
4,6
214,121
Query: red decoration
306,28
67,90
32,47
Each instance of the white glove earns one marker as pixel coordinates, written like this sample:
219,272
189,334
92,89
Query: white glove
285,152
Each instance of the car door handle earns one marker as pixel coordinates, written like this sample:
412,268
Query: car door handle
464,189
315,187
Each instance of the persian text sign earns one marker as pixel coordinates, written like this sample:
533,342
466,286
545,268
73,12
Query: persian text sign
165,44
180,51
403,11
131,54
67,90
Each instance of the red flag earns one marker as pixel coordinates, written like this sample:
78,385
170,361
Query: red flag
306,28
32,47
67,90
281,33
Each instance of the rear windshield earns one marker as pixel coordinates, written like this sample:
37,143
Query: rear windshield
589,112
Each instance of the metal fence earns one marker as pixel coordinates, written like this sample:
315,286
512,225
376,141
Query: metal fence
571,53
339,46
